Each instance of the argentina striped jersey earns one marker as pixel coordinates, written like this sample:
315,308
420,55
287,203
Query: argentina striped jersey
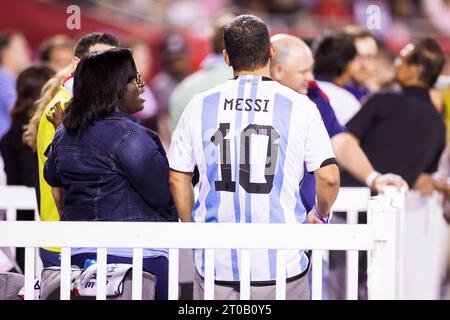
250,138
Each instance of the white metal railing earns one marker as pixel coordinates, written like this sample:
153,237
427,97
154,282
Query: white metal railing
13,198
351,200
176,236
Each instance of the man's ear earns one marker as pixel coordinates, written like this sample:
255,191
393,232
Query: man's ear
75,61
226,57
276,72
272,52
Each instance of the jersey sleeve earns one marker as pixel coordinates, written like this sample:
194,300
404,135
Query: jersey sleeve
181,151
318,149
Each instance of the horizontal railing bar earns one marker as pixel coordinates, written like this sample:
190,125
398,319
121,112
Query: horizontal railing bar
186,235
352,198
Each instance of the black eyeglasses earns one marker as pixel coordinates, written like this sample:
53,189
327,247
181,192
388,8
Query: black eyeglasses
138,79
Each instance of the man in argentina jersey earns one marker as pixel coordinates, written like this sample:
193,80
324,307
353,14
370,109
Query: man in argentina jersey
250,138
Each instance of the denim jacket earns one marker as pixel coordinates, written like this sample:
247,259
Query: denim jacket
116,171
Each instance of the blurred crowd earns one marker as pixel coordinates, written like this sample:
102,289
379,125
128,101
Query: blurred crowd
352,65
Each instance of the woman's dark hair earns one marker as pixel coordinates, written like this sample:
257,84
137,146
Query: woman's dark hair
247,43
430,59
29,85
100,80
332,53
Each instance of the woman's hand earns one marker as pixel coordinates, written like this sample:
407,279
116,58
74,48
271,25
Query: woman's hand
55,116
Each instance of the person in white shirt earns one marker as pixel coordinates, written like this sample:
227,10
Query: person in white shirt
334,54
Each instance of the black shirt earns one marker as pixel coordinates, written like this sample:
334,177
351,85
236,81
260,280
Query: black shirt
400,133
21,165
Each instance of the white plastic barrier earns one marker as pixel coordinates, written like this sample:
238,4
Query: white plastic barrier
210,236
351,201
420,240
424,253
13,198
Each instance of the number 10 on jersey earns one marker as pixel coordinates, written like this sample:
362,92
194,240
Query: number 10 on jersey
226,183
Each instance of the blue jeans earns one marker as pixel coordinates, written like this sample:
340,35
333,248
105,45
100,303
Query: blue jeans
158,266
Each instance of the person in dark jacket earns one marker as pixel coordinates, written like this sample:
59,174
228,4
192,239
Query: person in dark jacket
110,167
20,161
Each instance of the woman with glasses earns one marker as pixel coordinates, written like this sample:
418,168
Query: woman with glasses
110,167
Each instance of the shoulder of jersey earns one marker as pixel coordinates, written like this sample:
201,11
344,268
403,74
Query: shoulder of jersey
213,90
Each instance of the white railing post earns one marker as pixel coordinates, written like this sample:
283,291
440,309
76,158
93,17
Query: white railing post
65,286
398,201
316,290
136,284
174,260
381,278
29,273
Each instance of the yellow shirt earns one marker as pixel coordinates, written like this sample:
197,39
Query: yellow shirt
446,99
46,131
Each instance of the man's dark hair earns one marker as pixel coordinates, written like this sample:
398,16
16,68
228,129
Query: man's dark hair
247,43
332,53
100,80
84,43
430,59
55,42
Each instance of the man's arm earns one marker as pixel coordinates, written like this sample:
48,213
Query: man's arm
327,188
58,195
353,159
182,193
350,156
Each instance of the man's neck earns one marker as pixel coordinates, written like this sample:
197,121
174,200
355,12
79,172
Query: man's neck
263,72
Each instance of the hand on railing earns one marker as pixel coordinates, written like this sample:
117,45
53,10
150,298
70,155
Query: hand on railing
389,180
313,219
425,184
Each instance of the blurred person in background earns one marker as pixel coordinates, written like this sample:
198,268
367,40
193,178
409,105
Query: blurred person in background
363,81
213,71
142,56
40,131
20,161
57,51
175,69
14,57
402,132
127,169
334,56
